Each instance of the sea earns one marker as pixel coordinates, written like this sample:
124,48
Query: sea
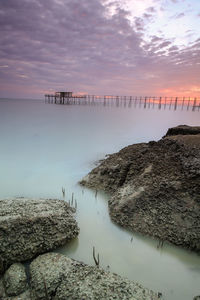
48,148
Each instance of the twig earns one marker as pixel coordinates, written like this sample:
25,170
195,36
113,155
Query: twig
96,260
160,244
45,288
72,198
63,192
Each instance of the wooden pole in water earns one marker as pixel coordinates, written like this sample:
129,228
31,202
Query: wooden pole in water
165,102
135,101
175,104
153,101
130,101
140,101
183,102
160,101
145,102
117,102
170,102
188,103
149,104
194,104
125,101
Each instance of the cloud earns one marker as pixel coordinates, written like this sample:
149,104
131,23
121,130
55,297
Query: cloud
72,43
164,44
181,15
151,9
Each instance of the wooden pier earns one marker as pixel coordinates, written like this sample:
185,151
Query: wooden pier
187,103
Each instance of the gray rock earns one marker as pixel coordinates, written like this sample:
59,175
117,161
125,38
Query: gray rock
29,227
56,277
2,289
47,272
24,296
183,130
15,281
155,187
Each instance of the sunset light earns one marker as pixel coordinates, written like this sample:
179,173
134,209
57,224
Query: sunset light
113,47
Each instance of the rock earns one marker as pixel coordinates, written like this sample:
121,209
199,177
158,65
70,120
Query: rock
47,272
2,289
13,285
1,265
183,130
155,187
3,296
54,276
29,227
14,280
24,296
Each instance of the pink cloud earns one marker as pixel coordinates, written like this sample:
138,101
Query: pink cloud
51,47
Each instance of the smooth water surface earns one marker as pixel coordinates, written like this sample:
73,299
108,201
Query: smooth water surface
45,147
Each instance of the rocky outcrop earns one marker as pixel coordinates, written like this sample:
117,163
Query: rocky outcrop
183,130
29,227
155,187
58,277
54,276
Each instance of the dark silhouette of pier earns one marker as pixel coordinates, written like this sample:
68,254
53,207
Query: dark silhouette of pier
183,103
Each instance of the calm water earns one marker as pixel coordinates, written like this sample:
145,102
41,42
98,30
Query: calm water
46,147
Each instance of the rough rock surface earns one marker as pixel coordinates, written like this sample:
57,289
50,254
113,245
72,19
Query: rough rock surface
14,280
29,227
57,277
155,187
3,295
183,130
2,289
24,296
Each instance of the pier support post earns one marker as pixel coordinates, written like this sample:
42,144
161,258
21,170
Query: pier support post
194,104
175,104
160,103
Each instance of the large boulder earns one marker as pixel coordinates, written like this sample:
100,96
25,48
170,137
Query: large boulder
29,227
57,277
155,187
183,130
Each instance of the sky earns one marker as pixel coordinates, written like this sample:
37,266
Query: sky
101,47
